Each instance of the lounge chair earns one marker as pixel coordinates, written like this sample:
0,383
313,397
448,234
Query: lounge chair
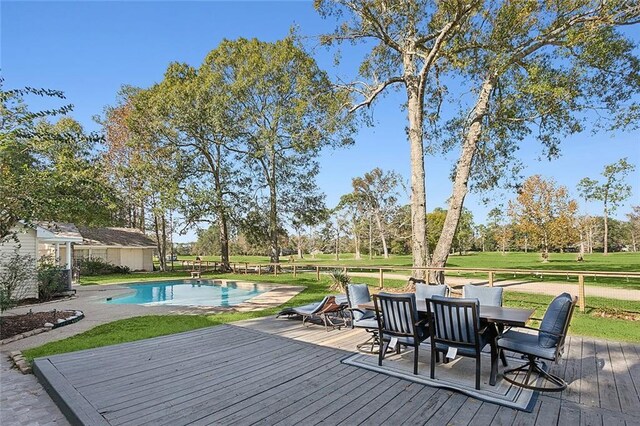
326,310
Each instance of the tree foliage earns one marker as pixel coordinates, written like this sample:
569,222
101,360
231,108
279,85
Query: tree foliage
48,171
611,192
544,212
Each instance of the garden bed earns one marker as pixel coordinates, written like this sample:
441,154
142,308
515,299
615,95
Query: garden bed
27,324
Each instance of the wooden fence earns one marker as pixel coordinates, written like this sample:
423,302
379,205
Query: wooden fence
295,268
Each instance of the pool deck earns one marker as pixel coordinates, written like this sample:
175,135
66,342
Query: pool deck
274,371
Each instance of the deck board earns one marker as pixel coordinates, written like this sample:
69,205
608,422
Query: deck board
270,371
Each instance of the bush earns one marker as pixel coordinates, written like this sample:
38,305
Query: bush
97,266
51,279
339,280
17,272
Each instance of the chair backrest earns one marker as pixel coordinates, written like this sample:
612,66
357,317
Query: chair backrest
397,314
555,322
487,296
357,294
454,321
425,291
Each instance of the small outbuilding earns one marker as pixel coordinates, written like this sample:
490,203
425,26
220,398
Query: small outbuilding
119,246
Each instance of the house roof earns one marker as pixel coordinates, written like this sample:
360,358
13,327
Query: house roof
121,237
58,232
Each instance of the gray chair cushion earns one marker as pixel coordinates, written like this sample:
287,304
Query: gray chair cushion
359,294
553,321
370,323
525,343
487,296
425,291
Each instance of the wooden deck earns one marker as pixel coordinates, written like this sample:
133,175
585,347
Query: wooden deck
277,372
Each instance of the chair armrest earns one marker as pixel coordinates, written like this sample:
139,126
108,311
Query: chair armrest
422,322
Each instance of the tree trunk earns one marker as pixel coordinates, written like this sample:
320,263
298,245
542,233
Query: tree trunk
606,229
385,250
419,246
370,239
461,181
356,239
160,244
300,253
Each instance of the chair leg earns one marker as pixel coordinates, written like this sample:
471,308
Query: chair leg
383,350
434,354
398,348
478,372
532,367
503,357
415,359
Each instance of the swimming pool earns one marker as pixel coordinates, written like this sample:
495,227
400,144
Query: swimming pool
190,293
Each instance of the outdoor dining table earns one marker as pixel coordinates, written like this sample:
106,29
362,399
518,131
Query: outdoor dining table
498,315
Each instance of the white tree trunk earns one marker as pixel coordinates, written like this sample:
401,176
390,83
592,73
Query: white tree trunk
419,247
461,180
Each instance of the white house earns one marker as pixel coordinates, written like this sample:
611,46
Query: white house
28,242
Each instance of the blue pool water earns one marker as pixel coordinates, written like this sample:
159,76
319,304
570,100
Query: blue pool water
190,293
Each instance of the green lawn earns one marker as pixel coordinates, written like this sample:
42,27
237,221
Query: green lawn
614,262
590,323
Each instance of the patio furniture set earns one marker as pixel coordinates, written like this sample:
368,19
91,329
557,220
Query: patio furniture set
452,327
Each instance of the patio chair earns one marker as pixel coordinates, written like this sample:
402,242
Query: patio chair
425,291
487,296
358,294
547,344
398,324
455,323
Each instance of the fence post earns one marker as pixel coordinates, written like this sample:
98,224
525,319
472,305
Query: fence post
259,269
581,301
317,273
294,271
381,279
246,268
275,269
490,278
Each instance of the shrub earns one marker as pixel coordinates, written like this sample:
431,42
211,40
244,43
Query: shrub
97,266
51,278
339,280
16,273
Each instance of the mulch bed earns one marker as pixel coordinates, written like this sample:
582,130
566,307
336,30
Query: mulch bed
17,324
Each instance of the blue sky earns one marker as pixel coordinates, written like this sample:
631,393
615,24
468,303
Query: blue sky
89,49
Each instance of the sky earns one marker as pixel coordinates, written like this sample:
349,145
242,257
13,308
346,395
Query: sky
90,49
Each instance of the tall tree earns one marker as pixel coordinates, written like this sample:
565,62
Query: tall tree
287,112
500,229
634,221
611,192
533,65
544,211
378,192
408,38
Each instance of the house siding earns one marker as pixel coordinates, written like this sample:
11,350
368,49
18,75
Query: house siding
28,246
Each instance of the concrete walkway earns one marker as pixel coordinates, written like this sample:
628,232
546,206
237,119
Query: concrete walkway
23,401
551,288
91,301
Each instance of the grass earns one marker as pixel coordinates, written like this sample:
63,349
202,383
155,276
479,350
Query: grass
614,262
143,327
